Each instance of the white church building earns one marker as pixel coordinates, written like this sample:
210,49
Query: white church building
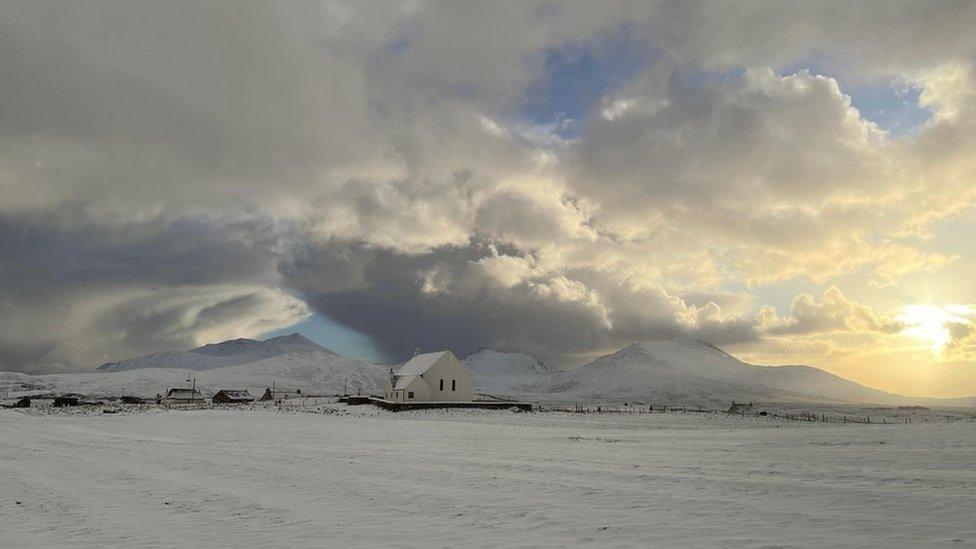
431,377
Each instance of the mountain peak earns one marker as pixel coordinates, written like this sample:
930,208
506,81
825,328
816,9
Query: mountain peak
229,347
690,370
294,342
294,336
225,353
675,344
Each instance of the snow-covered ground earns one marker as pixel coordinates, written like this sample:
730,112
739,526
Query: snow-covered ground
362,477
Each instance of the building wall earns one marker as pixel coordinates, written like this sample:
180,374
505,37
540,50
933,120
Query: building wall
449,369
419,387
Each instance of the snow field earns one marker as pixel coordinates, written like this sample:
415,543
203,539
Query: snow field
277,477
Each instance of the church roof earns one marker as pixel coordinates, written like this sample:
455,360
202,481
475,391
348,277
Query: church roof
419,364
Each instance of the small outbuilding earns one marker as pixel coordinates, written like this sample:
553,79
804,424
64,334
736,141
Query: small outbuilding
274,394
739,408
431,377
22,402
232,396
183,395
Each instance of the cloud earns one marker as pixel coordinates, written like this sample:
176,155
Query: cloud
834,312
487,295
173,173
77,296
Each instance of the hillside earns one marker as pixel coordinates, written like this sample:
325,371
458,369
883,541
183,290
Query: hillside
219,355
313,371
689,371
505,373
677,372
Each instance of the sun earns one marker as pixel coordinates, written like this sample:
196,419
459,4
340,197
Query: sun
932,323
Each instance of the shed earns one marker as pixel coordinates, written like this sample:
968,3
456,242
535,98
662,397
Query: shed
275,394
232,396
22,402
739,408
431,377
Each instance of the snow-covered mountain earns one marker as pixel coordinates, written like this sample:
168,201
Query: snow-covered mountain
218,355
672,372
505,373
290,361
313,373
690,371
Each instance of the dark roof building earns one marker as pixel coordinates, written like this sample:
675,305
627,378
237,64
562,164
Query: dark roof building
62,401
232,396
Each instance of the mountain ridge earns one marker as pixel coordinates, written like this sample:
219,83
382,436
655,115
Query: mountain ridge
670,371
232,352
688,370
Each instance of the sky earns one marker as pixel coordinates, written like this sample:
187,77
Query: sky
791,181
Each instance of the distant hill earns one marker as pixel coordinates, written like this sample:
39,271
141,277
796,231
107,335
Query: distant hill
676,372
314,372
290,361
691,371
219,355
500,372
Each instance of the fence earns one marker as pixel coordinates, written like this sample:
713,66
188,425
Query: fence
307,401
625,409
653,409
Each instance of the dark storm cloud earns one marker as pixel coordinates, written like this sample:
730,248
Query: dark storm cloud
39,255
445,299
77,296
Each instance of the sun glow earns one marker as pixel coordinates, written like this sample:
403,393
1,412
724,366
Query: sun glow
933,324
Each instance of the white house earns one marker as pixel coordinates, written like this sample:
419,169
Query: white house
431,377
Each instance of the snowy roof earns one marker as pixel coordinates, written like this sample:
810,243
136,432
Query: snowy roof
403,381
419,364
183,393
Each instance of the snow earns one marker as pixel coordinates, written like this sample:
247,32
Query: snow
363,477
